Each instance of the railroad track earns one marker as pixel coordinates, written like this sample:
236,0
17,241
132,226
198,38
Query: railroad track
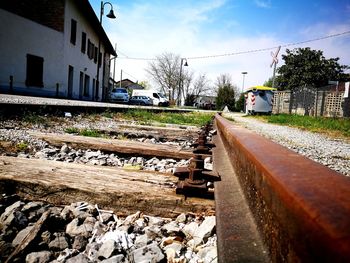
301,208
272,205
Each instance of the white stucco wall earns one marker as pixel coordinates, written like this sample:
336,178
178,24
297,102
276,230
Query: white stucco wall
74,56
19,37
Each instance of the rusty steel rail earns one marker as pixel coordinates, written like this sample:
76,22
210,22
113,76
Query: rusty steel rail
301,208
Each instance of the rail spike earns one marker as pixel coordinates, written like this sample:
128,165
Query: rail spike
195,180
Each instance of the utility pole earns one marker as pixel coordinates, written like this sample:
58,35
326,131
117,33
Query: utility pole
243,73
274,63
121,77
115,58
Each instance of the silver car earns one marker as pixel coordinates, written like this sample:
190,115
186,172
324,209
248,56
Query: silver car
141,100
119,95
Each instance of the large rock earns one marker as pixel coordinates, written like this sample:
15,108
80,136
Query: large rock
74,229
59,243
152,220
141,241
171,228
80,258
89,154
31,206
79,243
153,232
204,231
121,238
40,155
181,218
21,235
8,216
114,259
107,249
208,254
65,254
39,257
190,229
149,253
64,148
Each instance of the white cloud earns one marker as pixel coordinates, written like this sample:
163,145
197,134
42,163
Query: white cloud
331,47
263,4
143,32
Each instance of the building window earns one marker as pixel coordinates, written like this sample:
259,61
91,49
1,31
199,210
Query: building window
91,50
70,80
86,85
100,59
73,31
81,85
95,55
83,42
35,66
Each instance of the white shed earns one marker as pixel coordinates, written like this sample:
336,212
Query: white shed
259,99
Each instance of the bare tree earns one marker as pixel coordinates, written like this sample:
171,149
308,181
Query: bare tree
226,80
223,80
226,92
187,78
165,72
199,87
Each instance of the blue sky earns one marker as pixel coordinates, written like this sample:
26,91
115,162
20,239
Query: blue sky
145,29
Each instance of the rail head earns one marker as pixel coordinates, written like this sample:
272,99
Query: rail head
302,208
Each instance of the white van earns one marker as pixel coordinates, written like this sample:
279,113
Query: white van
158,98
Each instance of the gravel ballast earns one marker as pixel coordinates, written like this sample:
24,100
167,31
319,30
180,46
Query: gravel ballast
331,152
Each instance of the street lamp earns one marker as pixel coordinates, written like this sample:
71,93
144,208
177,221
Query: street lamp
112,16
243,73
114,58
180,81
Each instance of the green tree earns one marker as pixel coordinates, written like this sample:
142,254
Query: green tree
268,83
225,92
240,102
145,84
304,66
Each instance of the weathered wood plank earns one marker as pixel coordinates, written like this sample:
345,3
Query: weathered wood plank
112,188
118,146
166,132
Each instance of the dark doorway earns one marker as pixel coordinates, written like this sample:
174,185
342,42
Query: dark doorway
70,81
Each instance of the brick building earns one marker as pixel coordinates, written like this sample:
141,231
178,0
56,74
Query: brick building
50,48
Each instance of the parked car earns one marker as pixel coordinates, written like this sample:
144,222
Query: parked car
158,98
119,95
141,100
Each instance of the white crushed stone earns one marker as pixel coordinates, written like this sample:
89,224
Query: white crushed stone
331,152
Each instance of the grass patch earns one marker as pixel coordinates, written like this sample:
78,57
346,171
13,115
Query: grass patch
85,132
22,146
107,114
90,133
72,130
34,119
335,126
187,118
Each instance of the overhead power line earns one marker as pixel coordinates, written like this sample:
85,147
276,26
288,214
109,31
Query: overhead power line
246,51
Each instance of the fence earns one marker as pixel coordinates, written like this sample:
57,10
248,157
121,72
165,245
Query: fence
328,101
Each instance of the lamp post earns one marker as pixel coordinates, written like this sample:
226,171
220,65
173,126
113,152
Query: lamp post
180,80
243,73
112,16
114,58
